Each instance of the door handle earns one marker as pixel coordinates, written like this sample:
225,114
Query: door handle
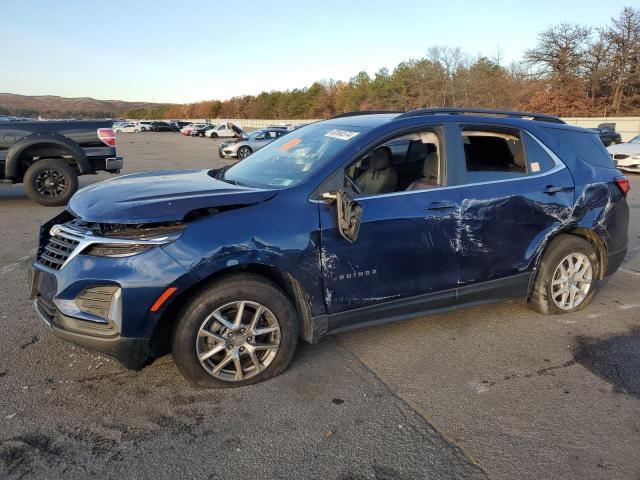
551,189
441,205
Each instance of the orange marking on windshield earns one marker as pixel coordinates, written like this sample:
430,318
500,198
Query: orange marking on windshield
291,143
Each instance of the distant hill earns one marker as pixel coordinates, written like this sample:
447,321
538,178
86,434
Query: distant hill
52,106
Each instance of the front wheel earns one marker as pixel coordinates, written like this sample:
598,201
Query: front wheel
567,276
244,152
238,331
214,135
50,182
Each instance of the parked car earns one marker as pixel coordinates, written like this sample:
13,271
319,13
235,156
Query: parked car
626,156
227,129
250,142
145,125
49,156
127,128
179,124
186,130
607,133
163,127
354,221
201,129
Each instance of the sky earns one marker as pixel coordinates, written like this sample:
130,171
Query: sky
179,52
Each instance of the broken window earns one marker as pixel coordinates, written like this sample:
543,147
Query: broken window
493,154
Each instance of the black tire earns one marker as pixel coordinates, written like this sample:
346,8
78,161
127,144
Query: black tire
244,152
37,182
240,287
214,135
541,299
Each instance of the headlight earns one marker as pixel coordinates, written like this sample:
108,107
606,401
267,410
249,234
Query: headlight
131,243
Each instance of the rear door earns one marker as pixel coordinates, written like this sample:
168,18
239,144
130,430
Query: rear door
514,191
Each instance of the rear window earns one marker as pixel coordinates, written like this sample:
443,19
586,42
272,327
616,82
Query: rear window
586,145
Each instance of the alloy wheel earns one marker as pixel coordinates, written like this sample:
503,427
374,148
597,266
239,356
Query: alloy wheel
238,341
50,183
244,152
571,281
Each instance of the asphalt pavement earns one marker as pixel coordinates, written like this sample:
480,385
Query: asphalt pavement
490,392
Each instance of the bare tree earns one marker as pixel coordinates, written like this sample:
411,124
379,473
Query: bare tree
624,35
560,52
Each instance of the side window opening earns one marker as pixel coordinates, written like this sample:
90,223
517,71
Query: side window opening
409,162
493,154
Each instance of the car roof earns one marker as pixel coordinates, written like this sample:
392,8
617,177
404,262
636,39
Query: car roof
377,119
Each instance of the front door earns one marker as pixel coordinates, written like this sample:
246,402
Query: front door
404,251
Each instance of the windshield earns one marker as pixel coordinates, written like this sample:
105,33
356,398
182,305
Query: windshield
254,134
635,140
292,158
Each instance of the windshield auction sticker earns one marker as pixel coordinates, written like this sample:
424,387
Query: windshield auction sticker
341,134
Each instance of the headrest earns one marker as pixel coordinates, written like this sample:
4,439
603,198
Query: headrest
430,168
380,158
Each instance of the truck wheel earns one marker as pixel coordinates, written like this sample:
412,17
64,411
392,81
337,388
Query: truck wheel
50,182
567,276
237,331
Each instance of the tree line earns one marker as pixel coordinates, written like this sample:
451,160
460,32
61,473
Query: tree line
572,70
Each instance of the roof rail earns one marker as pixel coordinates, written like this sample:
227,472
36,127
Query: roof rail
364,112
481,111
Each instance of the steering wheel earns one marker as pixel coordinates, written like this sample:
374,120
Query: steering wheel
353,184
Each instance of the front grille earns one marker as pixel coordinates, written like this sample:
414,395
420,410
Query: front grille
46,307
57,250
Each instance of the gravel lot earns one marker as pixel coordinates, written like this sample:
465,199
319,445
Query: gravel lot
489,392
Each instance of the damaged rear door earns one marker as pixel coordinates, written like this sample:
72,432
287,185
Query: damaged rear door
514,192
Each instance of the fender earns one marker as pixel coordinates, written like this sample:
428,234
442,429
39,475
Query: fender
299,280
14,153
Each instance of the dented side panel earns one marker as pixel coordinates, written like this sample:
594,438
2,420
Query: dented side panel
503,225
282,234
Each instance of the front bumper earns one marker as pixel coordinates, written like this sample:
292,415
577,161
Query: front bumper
628,164
224,151
121,326
132,353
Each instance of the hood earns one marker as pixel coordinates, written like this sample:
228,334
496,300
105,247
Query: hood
626,148
159,197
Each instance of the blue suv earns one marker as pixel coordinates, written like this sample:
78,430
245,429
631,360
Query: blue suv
354,221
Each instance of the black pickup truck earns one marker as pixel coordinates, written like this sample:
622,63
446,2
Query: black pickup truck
49,156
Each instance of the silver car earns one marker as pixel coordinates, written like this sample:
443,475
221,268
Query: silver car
250,142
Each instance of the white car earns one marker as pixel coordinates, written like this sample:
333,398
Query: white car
127,128
225,130
626,155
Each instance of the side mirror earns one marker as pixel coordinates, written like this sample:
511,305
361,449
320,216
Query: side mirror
349,214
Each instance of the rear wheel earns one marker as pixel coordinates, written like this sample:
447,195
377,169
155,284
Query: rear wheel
50,182
238,331
244,152
567,276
